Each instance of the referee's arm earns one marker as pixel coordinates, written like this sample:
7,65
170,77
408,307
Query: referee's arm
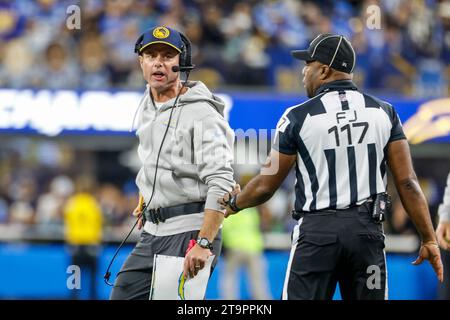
414,202
262,187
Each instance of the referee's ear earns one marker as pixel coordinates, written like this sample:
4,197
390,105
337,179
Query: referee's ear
325,72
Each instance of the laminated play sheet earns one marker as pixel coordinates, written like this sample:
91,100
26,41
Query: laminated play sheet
168,282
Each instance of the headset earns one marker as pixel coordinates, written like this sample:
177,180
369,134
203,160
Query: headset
185,66
185,55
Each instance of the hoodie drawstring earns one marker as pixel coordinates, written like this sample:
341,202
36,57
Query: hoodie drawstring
137,110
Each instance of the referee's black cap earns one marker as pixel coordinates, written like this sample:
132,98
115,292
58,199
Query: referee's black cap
333,50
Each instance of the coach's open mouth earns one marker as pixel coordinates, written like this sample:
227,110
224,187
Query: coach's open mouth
158,75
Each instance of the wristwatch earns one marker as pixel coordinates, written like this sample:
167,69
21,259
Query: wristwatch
204,243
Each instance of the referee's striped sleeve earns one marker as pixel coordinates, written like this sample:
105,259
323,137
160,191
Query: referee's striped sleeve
284,141
397,129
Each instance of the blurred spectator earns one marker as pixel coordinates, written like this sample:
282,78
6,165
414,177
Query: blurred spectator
83,230
113,205
130,198
49,211
15,65
3,211
243,245
57,70
23,195
119,31
94,73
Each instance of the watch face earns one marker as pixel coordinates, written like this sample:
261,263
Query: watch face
203,242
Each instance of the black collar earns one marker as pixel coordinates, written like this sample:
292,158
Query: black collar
336,85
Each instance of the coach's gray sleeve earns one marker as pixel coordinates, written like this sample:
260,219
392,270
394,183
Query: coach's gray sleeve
444,208
213,148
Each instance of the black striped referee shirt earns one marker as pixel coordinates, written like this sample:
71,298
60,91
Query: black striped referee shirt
340,138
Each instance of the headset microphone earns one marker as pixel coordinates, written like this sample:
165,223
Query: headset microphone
175,68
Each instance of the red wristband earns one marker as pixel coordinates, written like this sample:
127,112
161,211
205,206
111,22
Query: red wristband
192,243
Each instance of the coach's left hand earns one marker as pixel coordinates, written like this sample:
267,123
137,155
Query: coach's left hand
195,260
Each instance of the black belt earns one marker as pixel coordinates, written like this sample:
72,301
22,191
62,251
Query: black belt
363,208
161,214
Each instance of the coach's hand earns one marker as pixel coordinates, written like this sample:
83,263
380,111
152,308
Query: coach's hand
224,201
139,210
443,234
430,251
195,260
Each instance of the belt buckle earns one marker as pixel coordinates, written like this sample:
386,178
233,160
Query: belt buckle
158,216
154,216
151,215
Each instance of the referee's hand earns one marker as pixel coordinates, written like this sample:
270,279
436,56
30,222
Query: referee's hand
224,201
430,251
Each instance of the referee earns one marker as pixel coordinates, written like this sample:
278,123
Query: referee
340,141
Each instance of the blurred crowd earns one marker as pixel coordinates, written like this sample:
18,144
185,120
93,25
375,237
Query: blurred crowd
39,177
235,43
405,49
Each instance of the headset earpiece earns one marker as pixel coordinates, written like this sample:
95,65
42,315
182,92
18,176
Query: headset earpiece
138,44
185,55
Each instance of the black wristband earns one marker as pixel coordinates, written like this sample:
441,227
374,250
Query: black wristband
232,203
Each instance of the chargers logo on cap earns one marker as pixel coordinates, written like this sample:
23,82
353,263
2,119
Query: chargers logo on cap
161,32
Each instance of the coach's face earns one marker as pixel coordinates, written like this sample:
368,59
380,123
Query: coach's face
314,73
156,63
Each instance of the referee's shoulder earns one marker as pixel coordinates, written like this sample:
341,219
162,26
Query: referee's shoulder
304,107
374,102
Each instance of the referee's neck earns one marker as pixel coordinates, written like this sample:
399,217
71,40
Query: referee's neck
333,77
336,76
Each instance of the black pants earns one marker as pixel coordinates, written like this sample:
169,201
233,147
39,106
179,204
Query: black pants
134,279
345,247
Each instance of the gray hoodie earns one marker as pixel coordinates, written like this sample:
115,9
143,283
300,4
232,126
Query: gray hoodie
196,158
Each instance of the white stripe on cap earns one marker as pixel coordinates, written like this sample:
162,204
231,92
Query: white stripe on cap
337,48
312,41
314,51
354,54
